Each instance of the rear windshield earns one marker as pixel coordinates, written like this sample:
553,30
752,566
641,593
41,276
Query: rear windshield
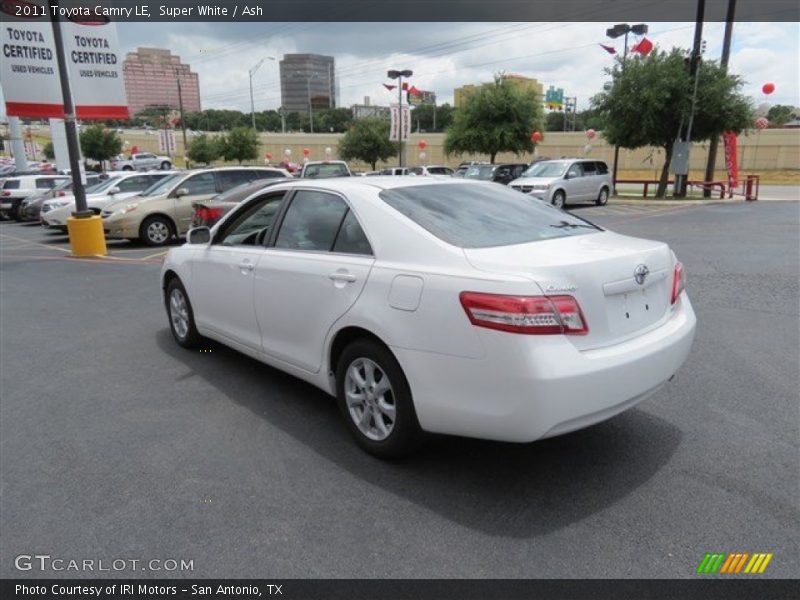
483,215
325,170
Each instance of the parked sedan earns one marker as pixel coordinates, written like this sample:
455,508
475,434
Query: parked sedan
500,318
501,173
206,214
31,207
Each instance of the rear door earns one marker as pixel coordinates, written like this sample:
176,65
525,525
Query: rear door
590,180
313,273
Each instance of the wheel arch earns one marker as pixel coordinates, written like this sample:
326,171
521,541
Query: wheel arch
341,339
169,219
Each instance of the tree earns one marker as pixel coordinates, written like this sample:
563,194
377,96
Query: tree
498,118
554,121
780,114
335,119
367,140
48,151
422,117
648,102
240,143
99,143
203,149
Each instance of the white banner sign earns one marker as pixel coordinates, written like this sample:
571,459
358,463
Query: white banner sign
29,70
166,141
400,127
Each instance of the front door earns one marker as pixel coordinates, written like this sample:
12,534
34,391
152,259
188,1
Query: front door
223,273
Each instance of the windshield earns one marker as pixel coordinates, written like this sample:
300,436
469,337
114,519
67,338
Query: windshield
105,185
547,168
484,172
471,215
163,186
325,170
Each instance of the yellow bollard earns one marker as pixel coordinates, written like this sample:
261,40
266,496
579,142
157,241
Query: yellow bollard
86,237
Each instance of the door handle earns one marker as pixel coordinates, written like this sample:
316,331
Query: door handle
342,276
246,266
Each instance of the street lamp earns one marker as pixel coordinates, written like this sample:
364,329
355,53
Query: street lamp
252,72
614,32
394,74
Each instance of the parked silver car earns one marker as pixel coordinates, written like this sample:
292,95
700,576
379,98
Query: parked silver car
566,180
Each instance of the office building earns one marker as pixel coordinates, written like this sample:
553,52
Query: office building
308,81
151,76
524,83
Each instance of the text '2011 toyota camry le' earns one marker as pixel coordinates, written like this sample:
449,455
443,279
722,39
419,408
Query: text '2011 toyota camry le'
437,306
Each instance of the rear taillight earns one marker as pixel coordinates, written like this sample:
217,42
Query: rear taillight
5,193
537,315
61,194
678,282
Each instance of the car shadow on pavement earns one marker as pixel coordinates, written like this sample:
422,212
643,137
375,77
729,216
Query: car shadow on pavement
514,490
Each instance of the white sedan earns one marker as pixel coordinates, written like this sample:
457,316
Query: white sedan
442,306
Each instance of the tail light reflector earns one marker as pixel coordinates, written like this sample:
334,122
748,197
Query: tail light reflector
5,193
678,282
536,315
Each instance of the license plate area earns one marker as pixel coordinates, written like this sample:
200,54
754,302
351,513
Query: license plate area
638,309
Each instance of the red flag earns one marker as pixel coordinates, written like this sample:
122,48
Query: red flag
609,49
389,86
644,47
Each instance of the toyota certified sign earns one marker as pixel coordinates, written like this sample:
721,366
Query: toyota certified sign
29,71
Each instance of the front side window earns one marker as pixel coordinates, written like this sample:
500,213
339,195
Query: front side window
202,183
135,184
478,216
311,222
252,227
574,171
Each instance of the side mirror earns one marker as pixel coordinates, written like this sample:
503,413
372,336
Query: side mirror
113,191
181,192
199,235
567,176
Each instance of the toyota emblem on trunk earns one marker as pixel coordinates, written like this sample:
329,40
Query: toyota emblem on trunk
640,273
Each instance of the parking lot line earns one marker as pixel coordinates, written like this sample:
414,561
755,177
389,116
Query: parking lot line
23,240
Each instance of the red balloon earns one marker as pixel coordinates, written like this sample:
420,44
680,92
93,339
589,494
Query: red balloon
306,151
762,123
422,144
536,136
135,150
269,155
768,88
590,133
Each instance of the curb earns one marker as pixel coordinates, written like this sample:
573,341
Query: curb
668,202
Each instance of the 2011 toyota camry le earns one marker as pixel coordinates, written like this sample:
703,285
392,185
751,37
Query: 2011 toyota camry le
438,306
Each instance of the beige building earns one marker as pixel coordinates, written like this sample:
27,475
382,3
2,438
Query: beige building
524,83
151,79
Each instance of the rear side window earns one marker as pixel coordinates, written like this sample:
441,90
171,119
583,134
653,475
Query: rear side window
311,222
440,171
46,184
602,168
482,216
589,168
11,184
351,238
230,179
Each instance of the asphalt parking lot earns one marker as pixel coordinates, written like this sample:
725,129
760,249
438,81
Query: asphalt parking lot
116,443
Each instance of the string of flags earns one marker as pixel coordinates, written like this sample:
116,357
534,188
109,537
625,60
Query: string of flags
406,88
643,47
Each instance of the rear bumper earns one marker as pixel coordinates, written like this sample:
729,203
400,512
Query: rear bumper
531,387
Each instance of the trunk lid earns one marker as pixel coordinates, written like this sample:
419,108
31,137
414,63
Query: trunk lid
600,271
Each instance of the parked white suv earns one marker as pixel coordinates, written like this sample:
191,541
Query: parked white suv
142,161
566,180
17,189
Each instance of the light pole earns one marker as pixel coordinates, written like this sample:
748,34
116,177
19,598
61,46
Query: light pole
252,72
393,74
614,32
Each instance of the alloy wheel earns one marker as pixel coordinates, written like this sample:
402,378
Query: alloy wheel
179,313
370,399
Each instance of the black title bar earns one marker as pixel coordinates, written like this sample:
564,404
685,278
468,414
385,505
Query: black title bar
179,11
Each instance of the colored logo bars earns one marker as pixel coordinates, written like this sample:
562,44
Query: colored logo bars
733,563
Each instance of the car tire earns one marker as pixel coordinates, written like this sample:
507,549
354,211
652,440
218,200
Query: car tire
559,199
156,231
181,315
384,425
166,165
602,198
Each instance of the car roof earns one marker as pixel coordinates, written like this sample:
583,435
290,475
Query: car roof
345,184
